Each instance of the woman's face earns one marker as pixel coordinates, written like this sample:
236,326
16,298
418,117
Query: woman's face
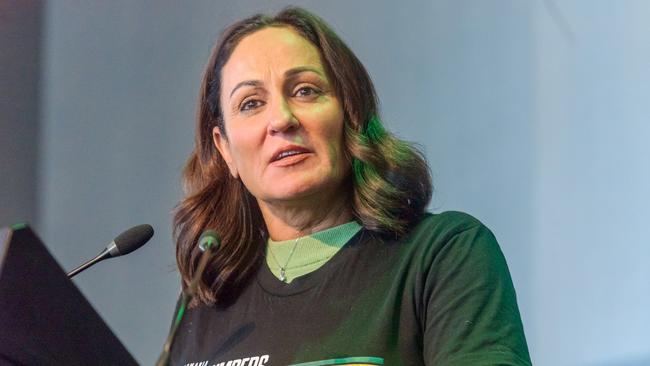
283,121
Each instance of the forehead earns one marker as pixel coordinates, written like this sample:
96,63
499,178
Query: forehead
268,51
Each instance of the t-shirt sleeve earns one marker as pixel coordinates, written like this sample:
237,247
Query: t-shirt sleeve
471,309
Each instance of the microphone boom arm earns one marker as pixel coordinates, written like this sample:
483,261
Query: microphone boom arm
100,257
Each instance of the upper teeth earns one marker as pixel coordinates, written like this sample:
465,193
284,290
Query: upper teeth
287,153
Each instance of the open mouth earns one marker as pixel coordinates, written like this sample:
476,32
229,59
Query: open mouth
288,153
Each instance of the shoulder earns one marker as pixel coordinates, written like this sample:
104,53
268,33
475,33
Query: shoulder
451,234
444,226
441,241
447,223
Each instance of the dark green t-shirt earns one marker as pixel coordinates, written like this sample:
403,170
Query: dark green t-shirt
440,296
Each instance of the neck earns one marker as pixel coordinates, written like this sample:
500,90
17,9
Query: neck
286,221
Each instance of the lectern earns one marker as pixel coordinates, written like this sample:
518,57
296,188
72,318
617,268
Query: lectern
44,318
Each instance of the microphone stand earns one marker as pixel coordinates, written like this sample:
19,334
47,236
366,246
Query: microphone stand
186,298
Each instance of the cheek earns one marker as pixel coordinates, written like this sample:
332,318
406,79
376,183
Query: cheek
331,134
243,147
334,142
326,121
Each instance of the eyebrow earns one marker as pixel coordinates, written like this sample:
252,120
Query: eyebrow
289,73
301,69
255,83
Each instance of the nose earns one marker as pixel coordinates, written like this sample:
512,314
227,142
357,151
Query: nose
281,118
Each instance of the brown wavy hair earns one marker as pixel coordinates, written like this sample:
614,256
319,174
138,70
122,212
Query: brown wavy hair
390,180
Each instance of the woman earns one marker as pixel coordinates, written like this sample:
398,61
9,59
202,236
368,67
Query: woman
327,254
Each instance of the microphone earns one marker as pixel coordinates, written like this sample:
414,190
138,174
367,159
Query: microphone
209,242
209,239
124,243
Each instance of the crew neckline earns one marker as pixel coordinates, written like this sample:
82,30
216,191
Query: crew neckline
271,284
300,256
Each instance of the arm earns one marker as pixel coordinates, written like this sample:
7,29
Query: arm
471,315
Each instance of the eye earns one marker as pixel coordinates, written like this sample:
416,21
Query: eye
250,104
307,91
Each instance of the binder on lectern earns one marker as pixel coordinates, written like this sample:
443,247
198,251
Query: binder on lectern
44,318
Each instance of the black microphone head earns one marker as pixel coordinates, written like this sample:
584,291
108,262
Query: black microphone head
132,239
209,239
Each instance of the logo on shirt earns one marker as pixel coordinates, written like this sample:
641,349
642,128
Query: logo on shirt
262,360
247,361
348,361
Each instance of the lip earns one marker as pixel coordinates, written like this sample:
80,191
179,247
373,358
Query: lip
290,160
303,152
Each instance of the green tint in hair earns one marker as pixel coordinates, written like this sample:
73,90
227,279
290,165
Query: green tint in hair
392,183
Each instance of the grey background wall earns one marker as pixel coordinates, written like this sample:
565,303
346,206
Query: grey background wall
20,62
533,116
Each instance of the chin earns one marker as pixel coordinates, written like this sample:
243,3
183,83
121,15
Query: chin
291,194
299,191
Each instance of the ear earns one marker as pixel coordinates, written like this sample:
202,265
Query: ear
221,143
